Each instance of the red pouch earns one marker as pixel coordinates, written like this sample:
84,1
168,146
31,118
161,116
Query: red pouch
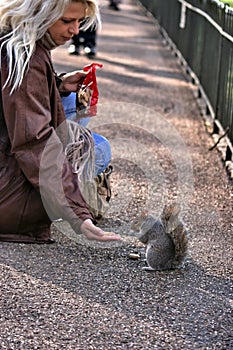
91,82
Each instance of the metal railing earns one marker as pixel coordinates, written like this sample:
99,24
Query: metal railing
202,31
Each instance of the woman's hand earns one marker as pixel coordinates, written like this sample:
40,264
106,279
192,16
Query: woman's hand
92,232
72,82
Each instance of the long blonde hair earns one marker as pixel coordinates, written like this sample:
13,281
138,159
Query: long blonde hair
23,22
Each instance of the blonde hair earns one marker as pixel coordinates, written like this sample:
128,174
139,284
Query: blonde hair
23,22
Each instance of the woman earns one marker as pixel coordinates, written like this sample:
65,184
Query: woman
33,168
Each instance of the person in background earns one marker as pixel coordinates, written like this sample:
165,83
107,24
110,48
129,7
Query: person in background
35,174
114,4
86,40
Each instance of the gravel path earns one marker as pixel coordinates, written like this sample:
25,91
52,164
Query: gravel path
83,295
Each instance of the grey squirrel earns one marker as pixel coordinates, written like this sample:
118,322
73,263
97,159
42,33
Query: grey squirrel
166,238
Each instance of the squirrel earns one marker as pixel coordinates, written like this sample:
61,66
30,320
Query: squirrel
166,238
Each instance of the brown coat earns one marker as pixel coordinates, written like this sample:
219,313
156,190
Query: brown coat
28,169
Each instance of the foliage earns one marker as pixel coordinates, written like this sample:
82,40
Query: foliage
229,2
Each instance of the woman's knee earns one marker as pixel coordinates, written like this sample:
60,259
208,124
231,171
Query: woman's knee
103,153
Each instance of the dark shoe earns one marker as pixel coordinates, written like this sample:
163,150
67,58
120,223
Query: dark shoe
47,241
89,51
114,6
40,241
41,235
73,50
27,240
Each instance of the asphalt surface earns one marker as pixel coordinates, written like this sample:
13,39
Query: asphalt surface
82,295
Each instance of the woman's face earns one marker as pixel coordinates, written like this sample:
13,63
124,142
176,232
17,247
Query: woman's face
68,25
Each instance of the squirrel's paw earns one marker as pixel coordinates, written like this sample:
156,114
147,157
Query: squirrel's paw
148,268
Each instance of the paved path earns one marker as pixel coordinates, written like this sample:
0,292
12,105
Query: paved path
75,295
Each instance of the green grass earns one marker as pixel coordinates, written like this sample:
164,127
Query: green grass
229,2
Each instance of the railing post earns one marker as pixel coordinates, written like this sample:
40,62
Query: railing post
220,65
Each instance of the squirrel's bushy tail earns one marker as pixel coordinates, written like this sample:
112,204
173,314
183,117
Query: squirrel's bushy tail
175,228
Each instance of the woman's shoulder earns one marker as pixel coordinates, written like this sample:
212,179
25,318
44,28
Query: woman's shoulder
41,59
41,52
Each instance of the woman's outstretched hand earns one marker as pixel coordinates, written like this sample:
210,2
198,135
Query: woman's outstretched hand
92,232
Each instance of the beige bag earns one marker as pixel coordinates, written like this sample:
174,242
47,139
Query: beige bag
80,152
97,193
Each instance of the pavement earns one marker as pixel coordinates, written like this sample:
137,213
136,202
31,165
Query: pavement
84,295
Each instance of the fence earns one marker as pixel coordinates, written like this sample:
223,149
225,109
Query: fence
202,32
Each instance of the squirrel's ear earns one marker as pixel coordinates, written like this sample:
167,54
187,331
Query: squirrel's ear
175,208
136,224
144,214
171,209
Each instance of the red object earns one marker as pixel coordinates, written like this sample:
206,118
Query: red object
91,82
